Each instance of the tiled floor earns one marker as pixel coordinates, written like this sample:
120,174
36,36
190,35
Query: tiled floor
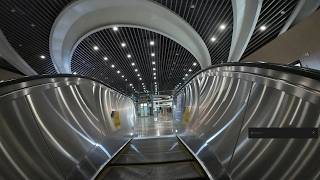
156,126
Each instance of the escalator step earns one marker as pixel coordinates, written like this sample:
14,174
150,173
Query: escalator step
180,170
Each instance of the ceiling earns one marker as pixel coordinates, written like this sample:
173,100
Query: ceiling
27,26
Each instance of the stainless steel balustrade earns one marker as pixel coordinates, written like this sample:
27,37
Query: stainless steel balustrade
58,128
224,101
61,127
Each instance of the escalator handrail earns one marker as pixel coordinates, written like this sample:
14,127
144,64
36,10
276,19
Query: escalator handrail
48,76
306,72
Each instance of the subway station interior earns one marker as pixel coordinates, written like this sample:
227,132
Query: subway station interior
159,89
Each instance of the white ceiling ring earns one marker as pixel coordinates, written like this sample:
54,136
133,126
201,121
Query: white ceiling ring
84,17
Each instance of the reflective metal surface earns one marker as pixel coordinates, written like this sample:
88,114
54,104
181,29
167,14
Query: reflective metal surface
225,101
58,128
153,158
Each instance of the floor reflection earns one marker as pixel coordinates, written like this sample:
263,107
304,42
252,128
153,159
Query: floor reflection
156,126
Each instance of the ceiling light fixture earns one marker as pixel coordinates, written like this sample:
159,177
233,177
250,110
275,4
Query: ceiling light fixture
118,72
190,70
222,27
130,84
112,65
105,58
140,79
194,64
153,69
263,28
154,77
153,54
138,75
133,64
135,70
122,76
42,57
128,55
213,39
186,75
154,74
96,48
115,28
153,62
123,44
151,43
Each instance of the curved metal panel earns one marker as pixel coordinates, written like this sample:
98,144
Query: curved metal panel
57,128
227,100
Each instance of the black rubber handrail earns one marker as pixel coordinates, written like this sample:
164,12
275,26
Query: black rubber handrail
47,76
306,72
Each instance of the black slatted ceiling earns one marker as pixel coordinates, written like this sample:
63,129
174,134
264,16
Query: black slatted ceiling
273,16
172,61
206,16
27,25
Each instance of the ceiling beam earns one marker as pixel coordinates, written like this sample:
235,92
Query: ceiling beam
84,17
245,18
12,57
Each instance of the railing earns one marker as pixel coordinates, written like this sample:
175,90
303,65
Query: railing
220,103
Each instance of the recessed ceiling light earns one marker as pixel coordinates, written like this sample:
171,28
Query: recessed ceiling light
122,76
130,84
154,77
42,57
133,64
153,62
112,65
194,64
154,74
138,75
153,69
96,48
140,79
33,25
105,58
222,27
213,39
128,55
115,28
151,43
142,83
155,82
186,75
190,70
74,73
126,79
118,72
123,44
153,54
263,28
192,6
183,78
283,12
135,70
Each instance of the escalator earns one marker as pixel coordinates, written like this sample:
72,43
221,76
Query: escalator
75,127
154,158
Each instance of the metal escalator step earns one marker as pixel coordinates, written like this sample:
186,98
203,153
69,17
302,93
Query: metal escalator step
151,157
180,170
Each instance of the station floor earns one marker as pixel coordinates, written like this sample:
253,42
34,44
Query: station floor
161,125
